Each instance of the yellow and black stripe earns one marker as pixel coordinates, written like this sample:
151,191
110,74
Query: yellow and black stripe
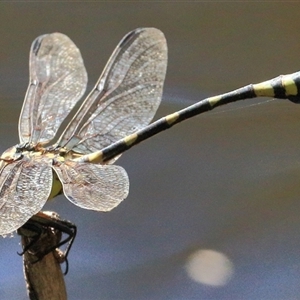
281,87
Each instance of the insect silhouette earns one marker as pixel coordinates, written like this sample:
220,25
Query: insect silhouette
112,119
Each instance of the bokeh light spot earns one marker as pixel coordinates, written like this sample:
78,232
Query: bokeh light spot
209,267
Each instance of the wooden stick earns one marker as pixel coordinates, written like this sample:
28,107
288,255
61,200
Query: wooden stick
44,277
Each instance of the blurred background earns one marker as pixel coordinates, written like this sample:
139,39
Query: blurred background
213,210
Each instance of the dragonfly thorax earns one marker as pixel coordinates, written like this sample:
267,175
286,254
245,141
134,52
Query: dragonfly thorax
21,151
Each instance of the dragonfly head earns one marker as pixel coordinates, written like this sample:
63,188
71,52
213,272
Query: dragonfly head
11,154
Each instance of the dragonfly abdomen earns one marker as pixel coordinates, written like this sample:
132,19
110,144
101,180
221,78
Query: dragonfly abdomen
281,87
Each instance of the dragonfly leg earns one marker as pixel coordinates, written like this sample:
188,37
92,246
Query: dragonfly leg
43,234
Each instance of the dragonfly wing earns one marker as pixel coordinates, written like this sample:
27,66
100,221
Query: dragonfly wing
126,95
95,187
24,189
57,81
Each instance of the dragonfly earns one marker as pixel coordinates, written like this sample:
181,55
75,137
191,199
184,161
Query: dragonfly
114,117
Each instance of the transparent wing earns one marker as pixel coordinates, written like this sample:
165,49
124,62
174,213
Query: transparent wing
126,95
95,187
24,189
57,81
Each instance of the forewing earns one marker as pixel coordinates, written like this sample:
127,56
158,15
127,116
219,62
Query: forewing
126,95
57,81
24,188
95,187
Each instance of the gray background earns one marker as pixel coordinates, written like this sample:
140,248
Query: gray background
225,181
